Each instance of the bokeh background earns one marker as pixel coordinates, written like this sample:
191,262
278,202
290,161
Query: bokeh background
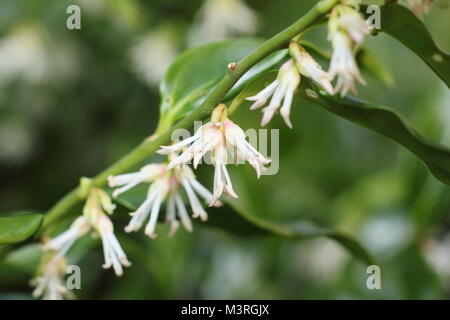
74,101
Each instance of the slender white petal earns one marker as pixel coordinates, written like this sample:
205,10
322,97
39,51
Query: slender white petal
285,110
171,217
182,212
113,254
262,97
193,200
178,146
203,192
65,240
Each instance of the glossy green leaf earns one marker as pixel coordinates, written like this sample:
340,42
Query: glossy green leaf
232,218
390,124
198,70
18,228
373,66
402,24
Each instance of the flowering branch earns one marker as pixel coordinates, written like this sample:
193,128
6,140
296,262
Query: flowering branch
150,145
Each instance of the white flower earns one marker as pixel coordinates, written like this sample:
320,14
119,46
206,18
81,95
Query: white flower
65,240
214,137
112,251
219,19
49,281
98,202
343,64
309,67
346,27
282,89
165,185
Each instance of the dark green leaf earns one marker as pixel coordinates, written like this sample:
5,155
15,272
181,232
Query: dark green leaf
19,227
402,24
373,66
388,123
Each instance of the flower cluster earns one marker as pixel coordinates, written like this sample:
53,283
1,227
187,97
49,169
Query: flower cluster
346,29
216,136
173,183
95,218
166,184
49,278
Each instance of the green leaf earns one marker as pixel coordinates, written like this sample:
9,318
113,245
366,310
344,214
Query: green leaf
195,72
373,66
402,24
390,124
19,227
232,218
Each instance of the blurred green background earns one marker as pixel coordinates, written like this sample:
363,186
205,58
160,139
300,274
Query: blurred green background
74,101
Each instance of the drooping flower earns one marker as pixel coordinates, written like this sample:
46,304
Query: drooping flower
282,90
346,28
214,137
219,19
343,64
98,205
165,185
49,278
113,253
288,79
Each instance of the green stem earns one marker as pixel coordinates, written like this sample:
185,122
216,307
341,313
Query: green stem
149,146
